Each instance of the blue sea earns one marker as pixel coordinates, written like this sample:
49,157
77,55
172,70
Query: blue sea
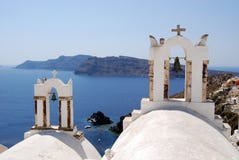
114,96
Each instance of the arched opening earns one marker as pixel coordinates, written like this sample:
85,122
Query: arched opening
177,68
54,107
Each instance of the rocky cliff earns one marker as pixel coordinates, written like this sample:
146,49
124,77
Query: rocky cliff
214,82
114,66
68,63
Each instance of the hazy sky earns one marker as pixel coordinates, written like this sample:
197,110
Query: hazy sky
46,29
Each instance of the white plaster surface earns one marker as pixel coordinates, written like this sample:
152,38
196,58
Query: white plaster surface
63,90
51,145
39,116
172,135
72,114
205,109
64,113
48,112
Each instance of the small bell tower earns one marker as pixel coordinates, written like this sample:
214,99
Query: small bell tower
42,96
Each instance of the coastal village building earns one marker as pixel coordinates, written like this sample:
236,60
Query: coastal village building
163,128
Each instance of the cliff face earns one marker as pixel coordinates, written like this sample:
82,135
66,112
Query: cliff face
114,66
119,66
222,106
214,82
68,63
85,64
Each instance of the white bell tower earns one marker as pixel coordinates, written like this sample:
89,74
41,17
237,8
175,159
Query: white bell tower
42,93
195,87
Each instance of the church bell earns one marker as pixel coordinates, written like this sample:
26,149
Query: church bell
53,97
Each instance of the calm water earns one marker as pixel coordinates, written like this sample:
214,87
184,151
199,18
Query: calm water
115,96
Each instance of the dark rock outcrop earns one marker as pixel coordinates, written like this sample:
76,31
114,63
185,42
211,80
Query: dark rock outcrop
99,118
118,128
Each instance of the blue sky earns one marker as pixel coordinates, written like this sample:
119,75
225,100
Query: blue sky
46,29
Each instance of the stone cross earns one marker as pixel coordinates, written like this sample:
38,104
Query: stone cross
54,72
178,30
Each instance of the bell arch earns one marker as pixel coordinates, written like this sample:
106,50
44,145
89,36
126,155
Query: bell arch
161,60
186,45
178,41
53,107
176,57
42,93
196,60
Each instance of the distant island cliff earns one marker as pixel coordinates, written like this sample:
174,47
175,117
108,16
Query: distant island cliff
66,63
114,66
94,66
97,66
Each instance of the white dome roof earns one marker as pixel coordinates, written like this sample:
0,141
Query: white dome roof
51,145
171,135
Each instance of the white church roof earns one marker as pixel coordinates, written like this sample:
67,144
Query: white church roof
172,135
51,145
